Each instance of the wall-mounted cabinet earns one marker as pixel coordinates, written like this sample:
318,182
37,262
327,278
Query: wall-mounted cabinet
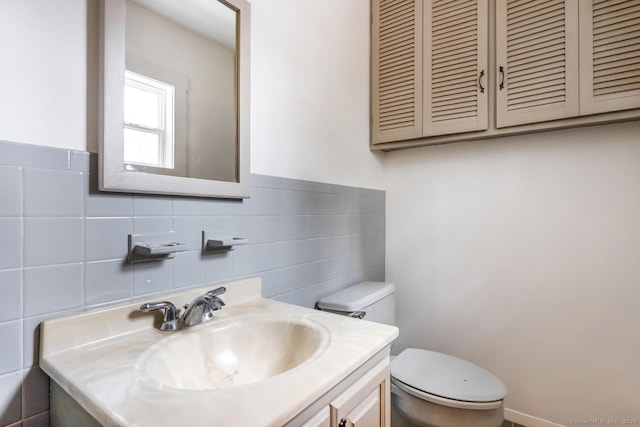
447,71
455,44
537,61
396,56
430,60
609,55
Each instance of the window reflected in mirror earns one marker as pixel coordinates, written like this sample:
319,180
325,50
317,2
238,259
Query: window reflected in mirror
148,121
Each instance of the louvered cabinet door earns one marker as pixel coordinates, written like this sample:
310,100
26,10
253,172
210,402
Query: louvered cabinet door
609,55
455,66
536,61
396,74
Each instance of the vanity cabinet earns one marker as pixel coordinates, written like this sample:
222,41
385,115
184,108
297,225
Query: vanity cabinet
364,402
321,419
447,71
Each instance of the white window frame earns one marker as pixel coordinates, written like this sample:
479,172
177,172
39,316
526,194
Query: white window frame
166,109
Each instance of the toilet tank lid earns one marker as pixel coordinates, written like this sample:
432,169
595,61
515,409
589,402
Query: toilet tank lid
356,297
446,376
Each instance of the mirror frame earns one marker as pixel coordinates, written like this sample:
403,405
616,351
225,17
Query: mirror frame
111,172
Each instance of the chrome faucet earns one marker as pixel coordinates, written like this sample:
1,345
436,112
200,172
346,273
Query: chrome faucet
199,311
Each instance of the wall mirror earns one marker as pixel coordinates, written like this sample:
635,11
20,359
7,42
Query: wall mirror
175,97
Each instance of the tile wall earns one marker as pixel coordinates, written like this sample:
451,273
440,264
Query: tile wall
63,250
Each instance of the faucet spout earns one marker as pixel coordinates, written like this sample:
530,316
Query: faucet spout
201,309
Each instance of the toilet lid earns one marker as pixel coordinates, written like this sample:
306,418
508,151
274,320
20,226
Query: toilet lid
446,376
356,297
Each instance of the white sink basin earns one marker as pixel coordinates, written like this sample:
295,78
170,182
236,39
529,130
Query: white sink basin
239,353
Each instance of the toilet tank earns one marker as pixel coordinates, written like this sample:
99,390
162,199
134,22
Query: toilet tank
375,299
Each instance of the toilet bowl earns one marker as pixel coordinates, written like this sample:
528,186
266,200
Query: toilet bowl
438,390
428,389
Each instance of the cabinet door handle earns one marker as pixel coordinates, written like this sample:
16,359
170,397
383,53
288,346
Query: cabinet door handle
480,81
501,69
343,423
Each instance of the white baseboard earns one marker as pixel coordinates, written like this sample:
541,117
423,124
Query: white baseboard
527,420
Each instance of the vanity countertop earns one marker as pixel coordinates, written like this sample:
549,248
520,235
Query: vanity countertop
95,358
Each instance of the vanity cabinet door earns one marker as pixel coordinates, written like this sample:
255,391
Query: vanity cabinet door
536,61
365,403
367,413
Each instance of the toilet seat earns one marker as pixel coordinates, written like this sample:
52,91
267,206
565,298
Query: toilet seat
441,400
446,380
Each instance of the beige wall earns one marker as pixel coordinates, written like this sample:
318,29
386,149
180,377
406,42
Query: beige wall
522,254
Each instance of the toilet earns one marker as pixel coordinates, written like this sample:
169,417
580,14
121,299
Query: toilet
428,388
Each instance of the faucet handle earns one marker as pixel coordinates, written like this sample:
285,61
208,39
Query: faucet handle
170,320
214,302
217,291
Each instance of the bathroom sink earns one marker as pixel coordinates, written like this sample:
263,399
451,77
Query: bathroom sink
233,354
